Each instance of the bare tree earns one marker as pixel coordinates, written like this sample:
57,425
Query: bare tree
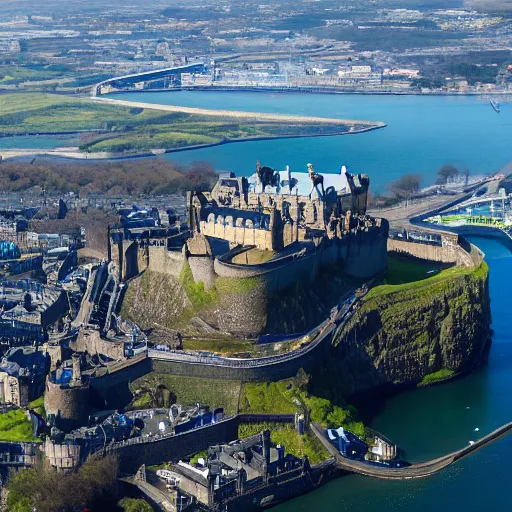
406,186
446,174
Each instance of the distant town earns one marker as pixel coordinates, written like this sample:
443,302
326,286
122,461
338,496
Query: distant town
285,45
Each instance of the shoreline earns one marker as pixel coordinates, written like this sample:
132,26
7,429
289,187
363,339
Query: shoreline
238,114
73,154
310,90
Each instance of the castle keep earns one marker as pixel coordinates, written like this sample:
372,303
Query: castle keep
250,240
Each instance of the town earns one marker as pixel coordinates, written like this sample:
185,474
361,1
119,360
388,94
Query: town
80,343
320,46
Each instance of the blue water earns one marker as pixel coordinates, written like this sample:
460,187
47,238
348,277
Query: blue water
433,421
38,141
423,133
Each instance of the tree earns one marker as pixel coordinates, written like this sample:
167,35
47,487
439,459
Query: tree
406,186
50,491
134,505
446,174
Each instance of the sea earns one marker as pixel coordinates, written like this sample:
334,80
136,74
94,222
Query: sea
422,134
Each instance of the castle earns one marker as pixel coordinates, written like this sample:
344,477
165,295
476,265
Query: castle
250,240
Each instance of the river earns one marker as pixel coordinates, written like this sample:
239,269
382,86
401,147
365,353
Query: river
422,133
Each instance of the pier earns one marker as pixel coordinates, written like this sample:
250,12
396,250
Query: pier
416,470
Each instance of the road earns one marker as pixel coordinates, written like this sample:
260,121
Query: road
252,116
321,333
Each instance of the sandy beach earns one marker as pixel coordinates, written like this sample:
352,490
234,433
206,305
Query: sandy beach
257,116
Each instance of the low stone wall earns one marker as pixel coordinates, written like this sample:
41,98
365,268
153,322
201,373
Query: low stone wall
273,371
441,253
135,452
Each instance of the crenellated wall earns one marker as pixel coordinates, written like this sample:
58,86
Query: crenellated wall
449,252
243,294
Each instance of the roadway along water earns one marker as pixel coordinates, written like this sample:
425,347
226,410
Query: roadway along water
432,421
423,133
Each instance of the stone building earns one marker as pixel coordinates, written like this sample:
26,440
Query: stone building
22,374
251,240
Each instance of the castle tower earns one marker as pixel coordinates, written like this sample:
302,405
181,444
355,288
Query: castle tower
77,370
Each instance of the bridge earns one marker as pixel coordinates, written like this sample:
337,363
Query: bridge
416,470
127,81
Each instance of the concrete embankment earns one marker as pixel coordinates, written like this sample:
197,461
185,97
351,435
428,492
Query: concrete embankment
419,470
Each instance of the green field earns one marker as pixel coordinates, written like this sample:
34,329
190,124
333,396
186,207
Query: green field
188,391
121,129
15,426
403,269
295,444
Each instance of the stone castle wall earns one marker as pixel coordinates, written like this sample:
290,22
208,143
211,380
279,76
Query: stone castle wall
245,292
165,261
242,235
89,340
445,253
62,456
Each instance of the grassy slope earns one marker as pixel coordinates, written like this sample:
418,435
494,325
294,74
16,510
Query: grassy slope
15,426
403,270
287,436
278,397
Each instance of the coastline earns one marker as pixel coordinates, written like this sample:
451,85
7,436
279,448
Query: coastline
72,153
238,114
312,90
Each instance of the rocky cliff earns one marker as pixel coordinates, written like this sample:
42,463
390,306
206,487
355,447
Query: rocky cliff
403,334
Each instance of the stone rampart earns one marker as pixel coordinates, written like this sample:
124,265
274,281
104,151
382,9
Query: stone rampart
165,261
264,372
89,340
445,253
135,452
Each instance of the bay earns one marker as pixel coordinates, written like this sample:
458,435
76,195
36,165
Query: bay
422,133
432,421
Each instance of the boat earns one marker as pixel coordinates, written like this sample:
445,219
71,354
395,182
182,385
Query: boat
495,106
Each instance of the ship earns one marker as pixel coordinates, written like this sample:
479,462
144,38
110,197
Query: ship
495,106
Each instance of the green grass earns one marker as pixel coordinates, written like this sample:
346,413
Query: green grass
431,378
190,390
199,455
145,142
128,129
285,435
442,277
38,405
226,285
402,270
15,426
198,296
278,397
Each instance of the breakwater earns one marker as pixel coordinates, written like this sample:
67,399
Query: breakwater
417,470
